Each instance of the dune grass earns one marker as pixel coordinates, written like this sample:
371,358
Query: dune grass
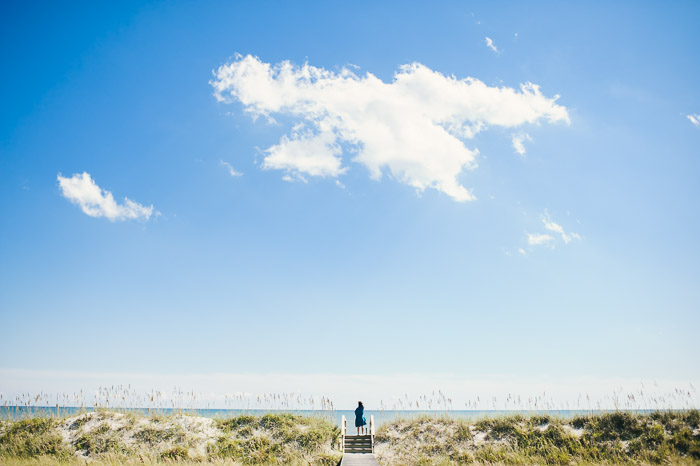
117,438
611,438
109,438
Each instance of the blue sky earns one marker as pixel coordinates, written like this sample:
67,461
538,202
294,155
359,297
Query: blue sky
577,258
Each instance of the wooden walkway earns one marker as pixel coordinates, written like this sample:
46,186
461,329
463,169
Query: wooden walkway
358,450
359,459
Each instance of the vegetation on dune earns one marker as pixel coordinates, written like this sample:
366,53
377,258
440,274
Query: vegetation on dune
276,437
115,438
31,438
611,438
109,438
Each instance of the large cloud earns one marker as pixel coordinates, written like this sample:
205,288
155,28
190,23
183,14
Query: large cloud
413,128
96,202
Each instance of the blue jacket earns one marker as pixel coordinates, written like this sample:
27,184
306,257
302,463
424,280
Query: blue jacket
359,417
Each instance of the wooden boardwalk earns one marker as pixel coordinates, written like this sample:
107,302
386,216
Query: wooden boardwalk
358,450
359,459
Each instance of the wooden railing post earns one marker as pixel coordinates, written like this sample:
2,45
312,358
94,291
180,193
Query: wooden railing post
371,430
343,432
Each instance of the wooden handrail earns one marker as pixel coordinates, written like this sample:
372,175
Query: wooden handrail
343,432
371,430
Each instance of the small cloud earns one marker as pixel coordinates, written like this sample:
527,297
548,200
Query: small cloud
550,225
491,45
518,140
80,189
522,252
231,171
694,119
554,232
515,35
536,239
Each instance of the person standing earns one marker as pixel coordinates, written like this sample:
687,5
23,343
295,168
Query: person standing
360,421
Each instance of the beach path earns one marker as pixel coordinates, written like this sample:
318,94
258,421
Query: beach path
358,450
359,459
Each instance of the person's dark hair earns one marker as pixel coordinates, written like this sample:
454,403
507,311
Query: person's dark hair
359,403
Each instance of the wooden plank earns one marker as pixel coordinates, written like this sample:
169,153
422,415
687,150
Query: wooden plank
359,459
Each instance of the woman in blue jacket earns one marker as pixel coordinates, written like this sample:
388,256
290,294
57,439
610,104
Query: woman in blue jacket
360,421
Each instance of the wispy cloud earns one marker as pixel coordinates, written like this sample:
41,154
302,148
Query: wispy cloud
694,119
491,45
536,239
413,128
518,140
231,171
550,225
539,239
96,202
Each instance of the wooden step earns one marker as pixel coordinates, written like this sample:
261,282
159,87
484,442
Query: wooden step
358,444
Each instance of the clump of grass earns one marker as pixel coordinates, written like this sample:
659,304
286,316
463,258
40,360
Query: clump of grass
153,436
176,453
32,438
235,423
79,422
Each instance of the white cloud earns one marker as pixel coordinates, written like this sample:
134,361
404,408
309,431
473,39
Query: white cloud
305,152
95,202
539,239
491,45
231,171
522,251
413,128
550,225
694,119
518,140
535,239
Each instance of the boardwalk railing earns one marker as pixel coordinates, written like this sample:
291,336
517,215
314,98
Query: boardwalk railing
371,430
343,432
